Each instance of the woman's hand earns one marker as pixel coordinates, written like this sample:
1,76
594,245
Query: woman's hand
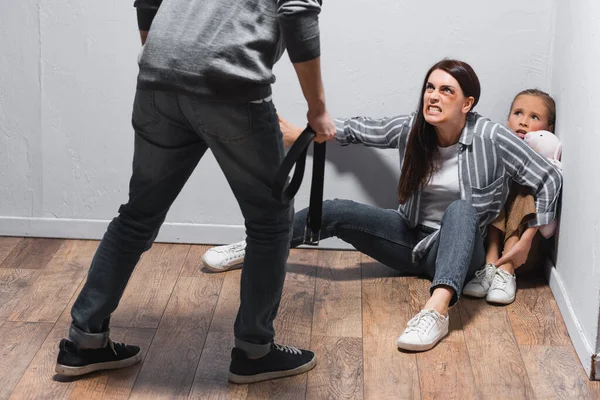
518,253
290,131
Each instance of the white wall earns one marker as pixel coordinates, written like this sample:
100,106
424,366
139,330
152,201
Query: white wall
575,84
20,103
67,75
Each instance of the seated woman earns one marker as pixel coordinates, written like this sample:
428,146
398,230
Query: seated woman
531,110
457,167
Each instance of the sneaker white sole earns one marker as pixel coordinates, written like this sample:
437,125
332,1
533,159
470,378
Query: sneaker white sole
474,294
245,379
228,267
504,302
86,369
419,346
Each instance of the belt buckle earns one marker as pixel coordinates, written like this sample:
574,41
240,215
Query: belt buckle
310,238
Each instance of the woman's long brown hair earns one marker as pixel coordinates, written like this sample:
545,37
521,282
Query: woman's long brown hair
421,149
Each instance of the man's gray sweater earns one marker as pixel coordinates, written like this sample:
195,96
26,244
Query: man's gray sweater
224,49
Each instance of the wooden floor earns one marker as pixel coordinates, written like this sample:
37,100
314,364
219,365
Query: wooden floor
343,305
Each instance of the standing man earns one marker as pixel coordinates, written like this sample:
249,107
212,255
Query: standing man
205,82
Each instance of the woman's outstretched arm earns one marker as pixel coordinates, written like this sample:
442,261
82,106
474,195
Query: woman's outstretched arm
384,132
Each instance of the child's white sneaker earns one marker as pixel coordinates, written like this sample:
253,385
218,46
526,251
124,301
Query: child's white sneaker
423,331
224,258
480,284
503,289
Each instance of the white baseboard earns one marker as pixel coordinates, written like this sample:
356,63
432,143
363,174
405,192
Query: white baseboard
583,348
169,232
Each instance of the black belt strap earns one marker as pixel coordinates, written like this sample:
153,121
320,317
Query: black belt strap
297,156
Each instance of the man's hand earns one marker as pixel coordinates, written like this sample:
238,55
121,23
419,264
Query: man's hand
322,124
143,36
291,132
516,254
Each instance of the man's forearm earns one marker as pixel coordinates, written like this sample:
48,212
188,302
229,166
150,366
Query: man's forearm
309,76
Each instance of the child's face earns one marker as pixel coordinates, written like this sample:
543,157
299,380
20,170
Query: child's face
528,114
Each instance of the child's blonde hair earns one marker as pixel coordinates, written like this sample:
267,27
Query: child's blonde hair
548,101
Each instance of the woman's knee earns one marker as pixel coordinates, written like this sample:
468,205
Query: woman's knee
337,207
460,210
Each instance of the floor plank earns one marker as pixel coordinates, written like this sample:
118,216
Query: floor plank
445,372
193,267
7,245
211,381
535,317
228,303
499,370
38,380
339,371
337,328
116,384
556,373
375,272
20,342
293,324
14,283
338,295
170,365
54,286
388,373
448,363
32,253
150,287
301,266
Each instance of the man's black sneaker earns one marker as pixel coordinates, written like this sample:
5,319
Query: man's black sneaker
280,362
73,361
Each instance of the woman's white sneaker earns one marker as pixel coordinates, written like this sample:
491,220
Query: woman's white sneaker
424,331
480,284
503,289
225,258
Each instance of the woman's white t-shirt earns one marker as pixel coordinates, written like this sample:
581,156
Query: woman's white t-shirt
442,189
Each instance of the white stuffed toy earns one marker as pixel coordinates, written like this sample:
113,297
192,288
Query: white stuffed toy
548,145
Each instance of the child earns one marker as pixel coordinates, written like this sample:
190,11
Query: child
531,110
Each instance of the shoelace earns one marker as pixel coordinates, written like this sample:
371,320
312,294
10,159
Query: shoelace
500,281
421,322
287,349
232,248
482,274
112,345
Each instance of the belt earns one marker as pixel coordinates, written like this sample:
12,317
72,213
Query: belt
297,156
